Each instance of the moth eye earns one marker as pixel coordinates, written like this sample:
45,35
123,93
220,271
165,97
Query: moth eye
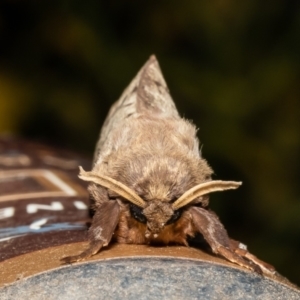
175,216
137,213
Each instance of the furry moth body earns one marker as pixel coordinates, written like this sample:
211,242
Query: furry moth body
149,182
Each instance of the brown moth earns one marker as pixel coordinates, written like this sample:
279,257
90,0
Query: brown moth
149,182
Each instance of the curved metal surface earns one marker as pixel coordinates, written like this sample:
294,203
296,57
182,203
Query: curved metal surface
148,278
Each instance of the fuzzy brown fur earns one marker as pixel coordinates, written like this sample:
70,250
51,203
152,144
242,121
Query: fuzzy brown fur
145,146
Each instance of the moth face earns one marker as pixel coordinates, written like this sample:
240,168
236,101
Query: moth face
157,214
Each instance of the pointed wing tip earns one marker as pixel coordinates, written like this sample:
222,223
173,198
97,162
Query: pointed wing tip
151,62
151,70
153,58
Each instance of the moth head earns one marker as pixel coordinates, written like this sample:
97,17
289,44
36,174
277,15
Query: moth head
158,213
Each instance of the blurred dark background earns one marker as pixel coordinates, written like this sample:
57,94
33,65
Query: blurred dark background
232,66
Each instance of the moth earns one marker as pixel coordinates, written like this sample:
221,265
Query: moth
149,182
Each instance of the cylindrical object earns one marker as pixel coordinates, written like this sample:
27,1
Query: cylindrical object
43,215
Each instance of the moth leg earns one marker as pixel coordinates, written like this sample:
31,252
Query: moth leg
101,231
241,249
207,223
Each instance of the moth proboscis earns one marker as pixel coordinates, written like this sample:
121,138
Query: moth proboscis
149,182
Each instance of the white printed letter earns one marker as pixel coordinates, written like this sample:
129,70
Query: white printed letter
33,208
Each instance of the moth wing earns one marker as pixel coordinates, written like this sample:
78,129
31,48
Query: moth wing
146,95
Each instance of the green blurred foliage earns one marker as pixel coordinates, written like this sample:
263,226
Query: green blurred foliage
232,66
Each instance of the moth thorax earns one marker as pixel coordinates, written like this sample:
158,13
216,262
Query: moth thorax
158,214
